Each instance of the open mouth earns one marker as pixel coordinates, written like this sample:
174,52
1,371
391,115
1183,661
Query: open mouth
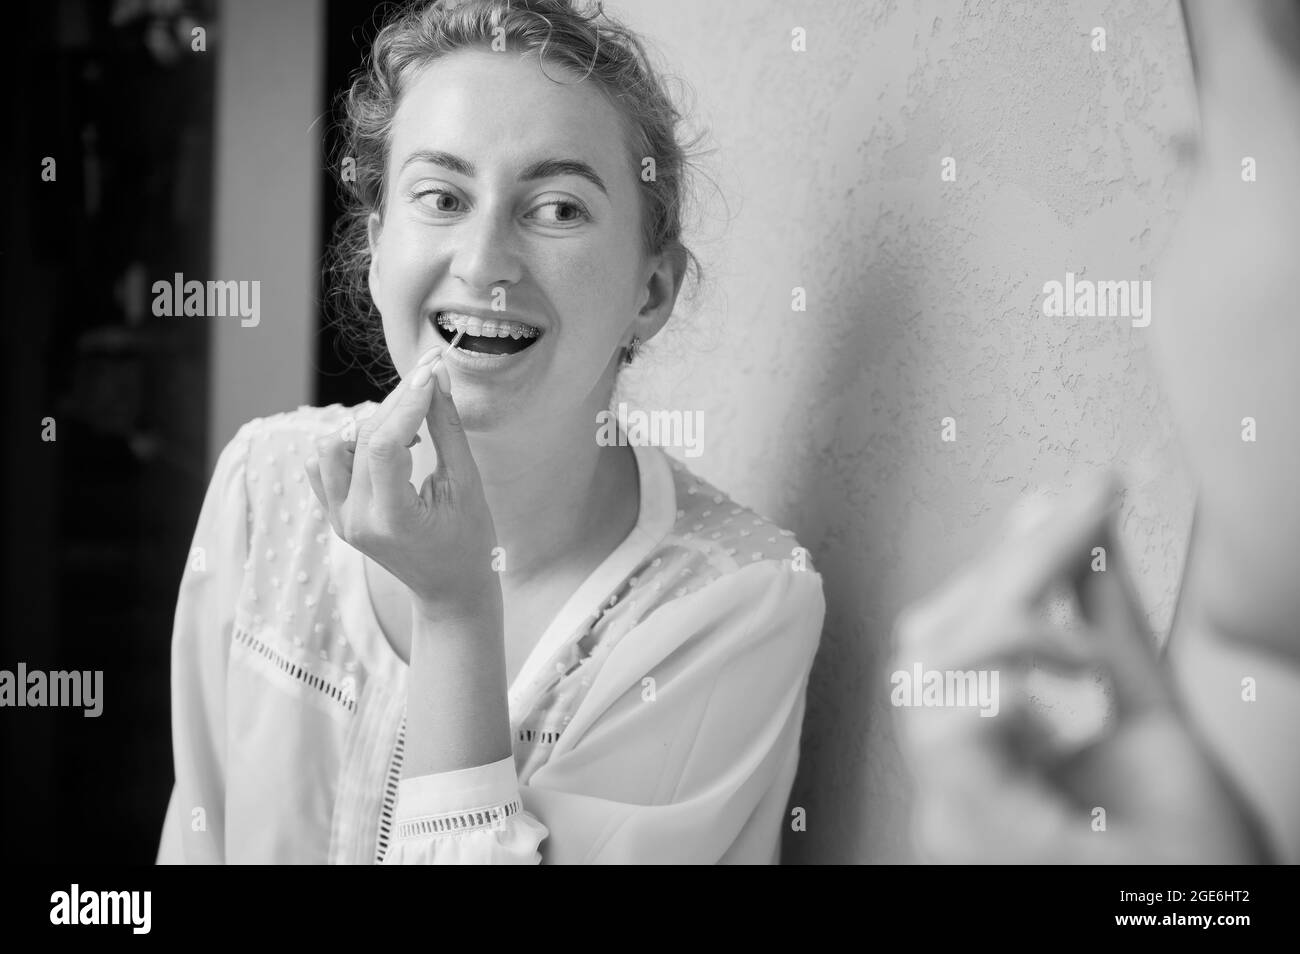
500,336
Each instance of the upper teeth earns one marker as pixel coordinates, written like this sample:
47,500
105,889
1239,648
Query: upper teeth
486,328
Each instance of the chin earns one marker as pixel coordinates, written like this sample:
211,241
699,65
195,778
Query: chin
480,414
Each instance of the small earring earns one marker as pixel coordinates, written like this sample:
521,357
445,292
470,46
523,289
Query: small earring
630,351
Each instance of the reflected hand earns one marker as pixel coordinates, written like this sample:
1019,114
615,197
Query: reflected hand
1003,789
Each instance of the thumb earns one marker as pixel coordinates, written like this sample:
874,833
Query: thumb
446,431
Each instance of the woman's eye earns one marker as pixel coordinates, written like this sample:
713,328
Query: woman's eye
565,212
560,212
443,200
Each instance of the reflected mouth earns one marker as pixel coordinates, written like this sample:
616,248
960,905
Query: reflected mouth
498,336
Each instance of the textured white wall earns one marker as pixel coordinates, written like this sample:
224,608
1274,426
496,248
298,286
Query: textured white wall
924,301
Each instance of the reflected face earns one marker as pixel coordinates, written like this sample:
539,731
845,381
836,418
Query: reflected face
1228,344
512,200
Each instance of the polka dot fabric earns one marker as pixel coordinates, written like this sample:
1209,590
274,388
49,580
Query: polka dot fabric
289,599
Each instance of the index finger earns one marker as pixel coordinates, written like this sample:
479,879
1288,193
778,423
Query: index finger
1013,575
1111,606
380,414
1024,567
389,458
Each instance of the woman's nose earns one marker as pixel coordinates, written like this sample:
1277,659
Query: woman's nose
483,255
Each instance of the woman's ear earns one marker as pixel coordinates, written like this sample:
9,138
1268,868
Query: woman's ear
373,226
659,294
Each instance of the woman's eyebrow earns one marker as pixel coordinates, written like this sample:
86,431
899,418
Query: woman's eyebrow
542,169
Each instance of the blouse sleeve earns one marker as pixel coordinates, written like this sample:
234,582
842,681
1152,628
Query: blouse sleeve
683,751
193,831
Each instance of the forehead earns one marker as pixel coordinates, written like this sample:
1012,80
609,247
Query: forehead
498,110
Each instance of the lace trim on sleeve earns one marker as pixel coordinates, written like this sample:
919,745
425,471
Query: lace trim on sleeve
459,822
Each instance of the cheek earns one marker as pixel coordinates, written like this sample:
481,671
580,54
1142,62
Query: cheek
405,284
590,290
1226,347
407,257
1211,304
581,271
402,340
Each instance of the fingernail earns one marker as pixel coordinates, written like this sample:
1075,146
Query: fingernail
430,354
444,379
421,376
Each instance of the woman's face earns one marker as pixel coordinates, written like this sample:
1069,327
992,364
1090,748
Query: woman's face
1227,336
488,211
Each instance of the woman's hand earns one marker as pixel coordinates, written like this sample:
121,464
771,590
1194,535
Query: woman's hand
437,541
1004,789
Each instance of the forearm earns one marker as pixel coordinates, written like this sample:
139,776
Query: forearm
457,715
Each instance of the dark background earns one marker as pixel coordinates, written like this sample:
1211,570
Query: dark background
97,523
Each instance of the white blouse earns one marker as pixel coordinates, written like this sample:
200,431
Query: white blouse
657,719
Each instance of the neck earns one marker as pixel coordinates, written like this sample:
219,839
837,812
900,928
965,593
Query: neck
549,493
553,492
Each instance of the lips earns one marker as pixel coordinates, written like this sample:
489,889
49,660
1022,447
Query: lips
493,336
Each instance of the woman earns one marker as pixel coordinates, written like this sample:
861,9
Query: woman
557,650
1198,763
